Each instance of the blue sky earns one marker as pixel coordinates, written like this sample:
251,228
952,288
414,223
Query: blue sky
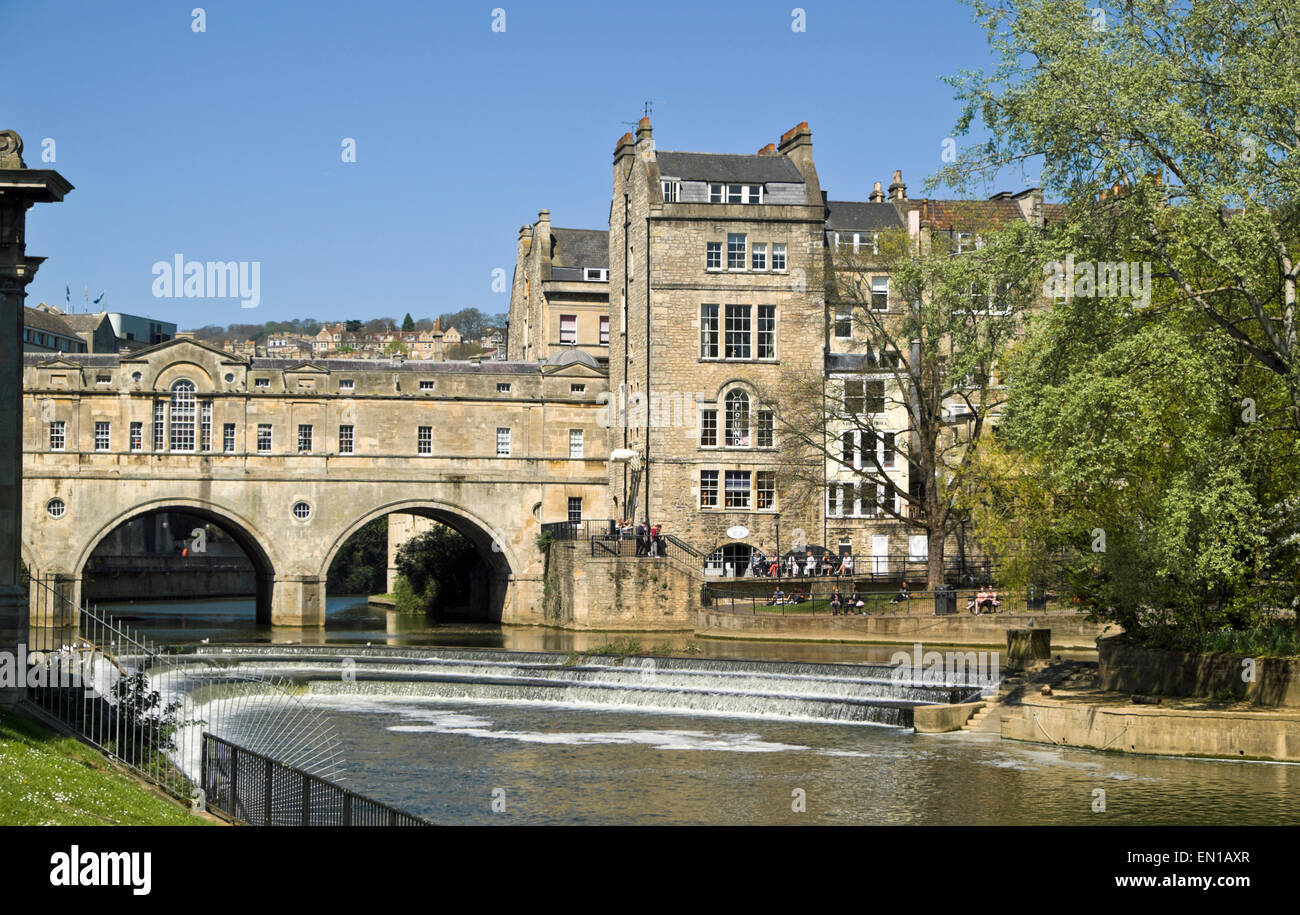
226,144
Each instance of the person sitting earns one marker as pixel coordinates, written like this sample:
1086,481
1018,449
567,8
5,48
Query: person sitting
826,564
991,601
793,565
778,597
798,597
971,605
903,595
836,602
855,602
810,566
981,601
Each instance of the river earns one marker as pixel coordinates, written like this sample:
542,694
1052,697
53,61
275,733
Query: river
487,761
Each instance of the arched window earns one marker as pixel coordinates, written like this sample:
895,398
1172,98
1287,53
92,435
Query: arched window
737,416
182,416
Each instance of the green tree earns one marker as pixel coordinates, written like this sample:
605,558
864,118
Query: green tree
1189,115
434,568
361,564
408,323
926,389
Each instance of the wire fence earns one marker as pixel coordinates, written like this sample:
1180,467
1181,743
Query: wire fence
149,709
255,789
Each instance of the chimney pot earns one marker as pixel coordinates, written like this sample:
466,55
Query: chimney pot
897,189
877,195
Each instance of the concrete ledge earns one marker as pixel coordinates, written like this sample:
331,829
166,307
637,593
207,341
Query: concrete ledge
1101,721
938,719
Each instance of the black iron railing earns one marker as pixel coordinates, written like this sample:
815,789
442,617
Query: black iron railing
148,709
813,597
256,789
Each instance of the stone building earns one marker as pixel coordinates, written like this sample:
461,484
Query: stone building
718,291
711,264
559,299
291,457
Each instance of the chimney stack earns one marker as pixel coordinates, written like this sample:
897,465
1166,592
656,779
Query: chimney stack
644,138
897,189
877,195
768,150
624,147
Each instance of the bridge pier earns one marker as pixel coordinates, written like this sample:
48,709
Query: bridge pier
295,600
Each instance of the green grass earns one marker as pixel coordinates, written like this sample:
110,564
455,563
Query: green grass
1281,640
47,779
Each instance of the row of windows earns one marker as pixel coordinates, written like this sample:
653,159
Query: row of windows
718,193
741,489
858,447
349,385
569,332
182,440
858,500
63,344
739,253
739,339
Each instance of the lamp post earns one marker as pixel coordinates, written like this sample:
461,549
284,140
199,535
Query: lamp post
777,516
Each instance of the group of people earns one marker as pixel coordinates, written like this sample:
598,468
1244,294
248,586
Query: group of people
984,602
796,596
760,566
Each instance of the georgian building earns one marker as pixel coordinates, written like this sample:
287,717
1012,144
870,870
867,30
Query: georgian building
718,301
559,299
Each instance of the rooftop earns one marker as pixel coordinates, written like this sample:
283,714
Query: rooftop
726,167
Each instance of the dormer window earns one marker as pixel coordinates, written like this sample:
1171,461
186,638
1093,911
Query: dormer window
672,190
347,384
596,274
426,384
735,193
262,382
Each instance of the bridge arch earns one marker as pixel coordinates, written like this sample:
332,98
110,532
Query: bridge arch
492,542
242,530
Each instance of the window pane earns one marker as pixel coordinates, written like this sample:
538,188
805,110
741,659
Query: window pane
738,332
765,489
575,443
737,489
346,439
778,257
880,293
736,252
304,439
708,489
709,331
766,332
709,428
182,416
568,328
843,321
766,429
737,419
713,255
759,259
503,442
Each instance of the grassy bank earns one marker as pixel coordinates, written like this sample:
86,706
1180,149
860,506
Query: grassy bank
47,779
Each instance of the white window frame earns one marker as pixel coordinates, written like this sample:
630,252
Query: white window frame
424,441
228,438
135,436
672,189
877,281
743,254
758,257
575,443
268,430
306,437
103,435
711,248
778,249
503,441
571,330
347,438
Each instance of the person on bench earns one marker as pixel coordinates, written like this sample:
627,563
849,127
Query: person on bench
903,595
836,601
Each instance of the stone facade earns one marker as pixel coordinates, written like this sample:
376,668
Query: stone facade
260,447
559,299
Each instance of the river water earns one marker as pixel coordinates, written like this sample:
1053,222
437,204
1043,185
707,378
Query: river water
525,761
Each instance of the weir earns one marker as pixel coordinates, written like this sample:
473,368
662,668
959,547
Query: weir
857,693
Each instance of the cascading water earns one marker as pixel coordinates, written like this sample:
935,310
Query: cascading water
859,693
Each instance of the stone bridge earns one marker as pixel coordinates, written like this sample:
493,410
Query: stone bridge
291,458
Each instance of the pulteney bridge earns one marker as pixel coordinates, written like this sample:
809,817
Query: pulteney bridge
291,458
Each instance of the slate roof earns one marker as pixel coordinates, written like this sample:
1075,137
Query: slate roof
568,357
965,215
579,247
44,321
90,360
85,322
847,215
725,167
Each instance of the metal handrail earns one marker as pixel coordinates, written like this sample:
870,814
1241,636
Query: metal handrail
141,706
254,788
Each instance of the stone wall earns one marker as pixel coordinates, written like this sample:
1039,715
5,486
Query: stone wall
1129,668
616,592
